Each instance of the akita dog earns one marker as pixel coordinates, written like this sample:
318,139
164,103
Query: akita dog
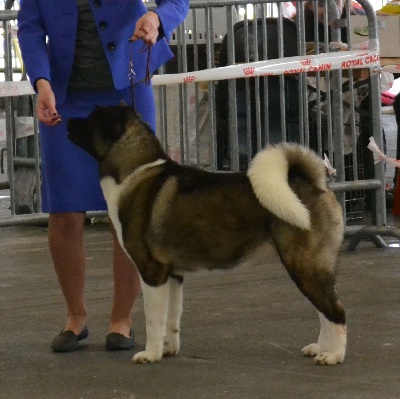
172,219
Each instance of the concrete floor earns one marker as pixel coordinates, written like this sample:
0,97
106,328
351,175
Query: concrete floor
241,331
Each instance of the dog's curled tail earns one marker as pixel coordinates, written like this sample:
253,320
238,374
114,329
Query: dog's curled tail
269,176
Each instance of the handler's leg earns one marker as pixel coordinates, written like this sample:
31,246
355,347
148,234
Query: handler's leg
66,245
126,289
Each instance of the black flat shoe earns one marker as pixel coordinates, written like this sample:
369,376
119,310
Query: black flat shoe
116,341
68,341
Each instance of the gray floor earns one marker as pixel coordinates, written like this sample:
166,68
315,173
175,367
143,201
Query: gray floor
241,331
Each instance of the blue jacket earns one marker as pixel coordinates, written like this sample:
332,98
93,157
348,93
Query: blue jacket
47,33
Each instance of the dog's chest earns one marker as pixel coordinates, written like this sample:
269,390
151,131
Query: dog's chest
112,192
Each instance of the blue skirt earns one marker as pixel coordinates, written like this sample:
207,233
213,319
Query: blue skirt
70,180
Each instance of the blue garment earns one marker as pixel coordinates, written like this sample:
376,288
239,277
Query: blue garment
70,178
47,34
57,20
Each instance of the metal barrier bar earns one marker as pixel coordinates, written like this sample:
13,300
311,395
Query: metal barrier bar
9,117
13,160
380,209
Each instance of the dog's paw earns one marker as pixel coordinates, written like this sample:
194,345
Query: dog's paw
146,357
171,345
329,358
311,350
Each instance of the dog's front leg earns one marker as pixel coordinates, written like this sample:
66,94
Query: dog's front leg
172,340
156,300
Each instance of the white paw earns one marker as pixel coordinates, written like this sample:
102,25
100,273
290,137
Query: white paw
311,350
329,358
171,345
146,357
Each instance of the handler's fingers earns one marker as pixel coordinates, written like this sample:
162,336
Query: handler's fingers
148,38
146,28
49,119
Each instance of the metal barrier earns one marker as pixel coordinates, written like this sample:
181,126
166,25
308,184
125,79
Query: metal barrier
26,160
219,124
217,120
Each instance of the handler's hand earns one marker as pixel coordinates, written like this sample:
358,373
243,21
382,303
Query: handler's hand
147,28
46,104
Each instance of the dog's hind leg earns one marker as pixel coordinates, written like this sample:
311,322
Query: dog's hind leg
311,265
331,346
172,339
156,302
318,287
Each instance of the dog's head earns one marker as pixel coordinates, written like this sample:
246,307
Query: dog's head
101,129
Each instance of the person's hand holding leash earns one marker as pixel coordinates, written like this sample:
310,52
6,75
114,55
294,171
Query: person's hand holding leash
147,28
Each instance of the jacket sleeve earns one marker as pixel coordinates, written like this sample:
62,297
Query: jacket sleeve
171,14
32,41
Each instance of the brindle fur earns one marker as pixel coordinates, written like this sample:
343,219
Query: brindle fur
177,218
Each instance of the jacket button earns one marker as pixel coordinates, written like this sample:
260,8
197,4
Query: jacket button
103,25
111,45
97,3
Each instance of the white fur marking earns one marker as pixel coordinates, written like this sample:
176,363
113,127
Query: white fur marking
331,346
172,334
112,193
156,301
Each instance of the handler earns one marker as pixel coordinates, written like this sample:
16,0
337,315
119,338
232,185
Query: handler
77,55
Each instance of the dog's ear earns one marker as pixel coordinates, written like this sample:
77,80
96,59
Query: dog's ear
80,133
122,103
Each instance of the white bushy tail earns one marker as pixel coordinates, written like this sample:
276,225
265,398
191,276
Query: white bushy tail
268,174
